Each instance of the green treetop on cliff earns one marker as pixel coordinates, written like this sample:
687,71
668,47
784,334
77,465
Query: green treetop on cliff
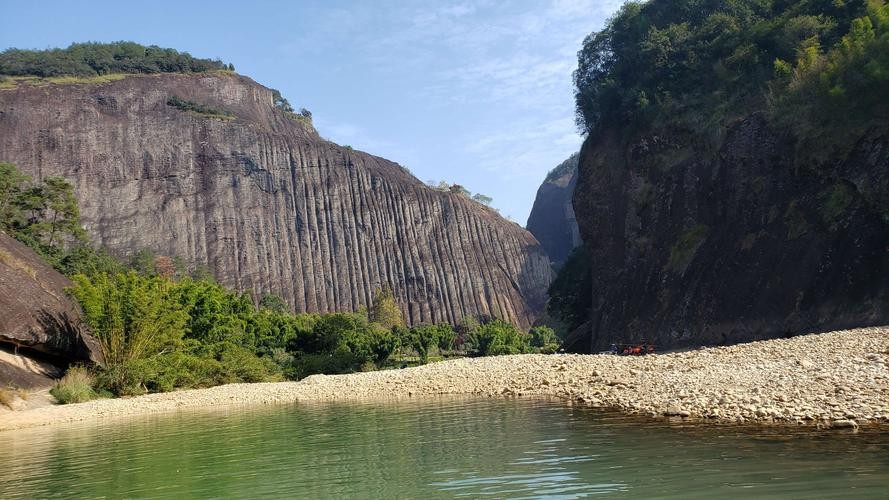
814,64
92,58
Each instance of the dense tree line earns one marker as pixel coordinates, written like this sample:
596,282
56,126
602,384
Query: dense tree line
696,62
92,58
163,325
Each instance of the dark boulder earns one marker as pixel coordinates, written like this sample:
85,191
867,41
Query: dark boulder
35,311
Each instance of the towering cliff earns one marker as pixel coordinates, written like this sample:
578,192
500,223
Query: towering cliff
225,178
733,246
552,219
734,184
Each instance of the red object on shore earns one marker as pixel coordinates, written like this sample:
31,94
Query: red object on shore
636,349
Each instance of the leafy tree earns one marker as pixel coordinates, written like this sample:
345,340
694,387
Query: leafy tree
483,199
199,109
54,211
384,310
447,337
132,316
143,262
563,168
281,102
273,302
12,183
424,337
347,341
43,215
466,332
458,189
499,337
85,260
165,267
690,63
544,339
830,96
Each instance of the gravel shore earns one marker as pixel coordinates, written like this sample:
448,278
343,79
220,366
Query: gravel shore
836,379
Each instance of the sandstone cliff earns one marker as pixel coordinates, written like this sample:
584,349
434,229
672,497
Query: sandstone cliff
552,219
265,202
691,246
35,311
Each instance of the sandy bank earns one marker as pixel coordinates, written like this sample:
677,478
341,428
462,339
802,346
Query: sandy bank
836,379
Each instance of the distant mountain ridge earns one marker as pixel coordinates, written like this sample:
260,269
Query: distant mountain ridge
552,219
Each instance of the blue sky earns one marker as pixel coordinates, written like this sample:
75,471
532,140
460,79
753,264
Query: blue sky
478,93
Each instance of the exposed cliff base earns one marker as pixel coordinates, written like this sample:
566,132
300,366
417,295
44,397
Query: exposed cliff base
255,194
695,246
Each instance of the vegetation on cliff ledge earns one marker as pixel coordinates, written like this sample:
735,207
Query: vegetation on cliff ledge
92,58
199,109
563,168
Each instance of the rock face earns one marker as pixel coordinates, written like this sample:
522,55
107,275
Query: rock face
552,219
35,312
265,202
694,247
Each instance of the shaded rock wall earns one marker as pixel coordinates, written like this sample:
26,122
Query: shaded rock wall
695,247
552,220
265,202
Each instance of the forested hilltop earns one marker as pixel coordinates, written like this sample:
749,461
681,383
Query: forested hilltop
93,58
735,149
820,67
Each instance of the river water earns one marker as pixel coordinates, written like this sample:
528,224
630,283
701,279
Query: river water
434,448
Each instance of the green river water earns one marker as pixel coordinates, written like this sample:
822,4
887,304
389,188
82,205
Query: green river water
435,448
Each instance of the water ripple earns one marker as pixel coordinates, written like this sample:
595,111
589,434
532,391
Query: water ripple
433,448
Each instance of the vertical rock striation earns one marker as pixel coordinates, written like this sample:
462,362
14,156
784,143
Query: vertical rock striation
265,202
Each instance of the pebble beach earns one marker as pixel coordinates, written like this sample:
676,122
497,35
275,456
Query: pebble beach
828,380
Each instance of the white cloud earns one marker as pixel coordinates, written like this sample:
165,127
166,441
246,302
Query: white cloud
505,66
526,149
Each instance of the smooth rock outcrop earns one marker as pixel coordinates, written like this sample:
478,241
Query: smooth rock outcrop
35,312
759,382
265,202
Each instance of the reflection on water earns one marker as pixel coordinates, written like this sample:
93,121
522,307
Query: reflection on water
434,448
